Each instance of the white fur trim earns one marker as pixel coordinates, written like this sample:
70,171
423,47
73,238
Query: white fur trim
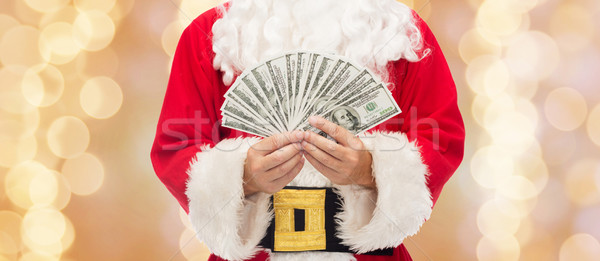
383,218
229,224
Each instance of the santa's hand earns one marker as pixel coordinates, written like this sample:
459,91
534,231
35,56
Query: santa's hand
272,163
346,162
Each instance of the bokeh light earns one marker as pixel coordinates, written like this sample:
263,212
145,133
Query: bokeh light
593,125
42,87
18,181
84,173
582,247
93,30
68,137
101,97
565,109
580,182
24,38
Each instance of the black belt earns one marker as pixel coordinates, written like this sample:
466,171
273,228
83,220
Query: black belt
304,220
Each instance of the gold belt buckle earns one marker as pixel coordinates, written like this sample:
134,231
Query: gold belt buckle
312,201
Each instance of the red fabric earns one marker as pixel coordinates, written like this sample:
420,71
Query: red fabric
190,114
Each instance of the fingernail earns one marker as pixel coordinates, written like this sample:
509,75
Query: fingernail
312,120
299,134
306,134
297,145
304,143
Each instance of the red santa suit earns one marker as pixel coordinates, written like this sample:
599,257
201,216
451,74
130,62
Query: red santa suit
201,163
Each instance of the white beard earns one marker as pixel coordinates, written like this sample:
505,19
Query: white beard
370,32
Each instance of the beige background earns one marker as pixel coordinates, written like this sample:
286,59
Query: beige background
81,86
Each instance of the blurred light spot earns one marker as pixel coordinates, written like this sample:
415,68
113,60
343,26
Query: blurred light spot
513,131
593,125
496,79
121,9
43,188
16,149
89,5
476,72
93,30
68,137
493,223
580,247
84,173
57,43
490,165
10,235
19,46
473,44
6,23
525,233
170,37
572,25
565,109
12,99
497,18
534,169
191,248
496,107
44,226
19,125
501,249
44,87
101,97
580,182
46,6
69,235
67,14
63,195
514,208
100,63
517,188
532,56
18,180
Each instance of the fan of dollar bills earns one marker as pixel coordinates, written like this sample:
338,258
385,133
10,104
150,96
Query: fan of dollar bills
279,95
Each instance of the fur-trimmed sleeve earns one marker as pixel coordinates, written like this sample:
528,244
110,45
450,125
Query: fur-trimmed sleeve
229,224
383,218
414,154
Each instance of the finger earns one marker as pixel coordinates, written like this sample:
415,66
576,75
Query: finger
277,141
325,170
283,168
337,132
321,156
331,147
290,175
280,156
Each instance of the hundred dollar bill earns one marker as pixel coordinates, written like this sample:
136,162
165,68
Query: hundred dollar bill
325,65
291,63
277,69
245,96
269,91
240,111
363,112
230,121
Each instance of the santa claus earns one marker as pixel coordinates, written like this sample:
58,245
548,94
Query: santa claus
355,198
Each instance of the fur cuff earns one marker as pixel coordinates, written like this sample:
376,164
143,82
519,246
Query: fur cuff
383,218
229,224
